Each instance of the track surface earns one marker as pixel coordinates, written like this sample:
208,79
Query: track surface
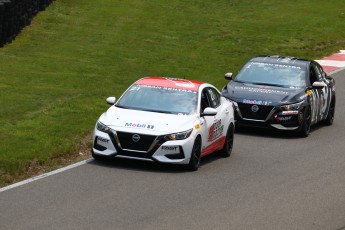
271,181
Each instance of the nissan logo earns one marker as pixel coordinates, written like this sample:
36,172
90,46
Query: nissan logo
255,108
136,137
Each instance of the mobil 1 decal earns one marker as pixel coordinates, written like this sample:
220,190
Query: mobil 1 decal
216,130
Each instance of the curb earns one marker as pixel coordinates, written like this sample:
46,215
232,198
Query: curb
333,63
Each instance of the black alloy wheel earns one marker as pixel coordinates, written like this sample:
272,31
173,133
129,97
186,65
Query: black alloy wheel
305,128
330,115
229,142
195,157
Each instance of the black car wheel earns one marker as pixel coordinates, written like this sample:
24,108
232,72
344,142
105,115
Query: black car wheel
194,162
330,115
229,142
306,123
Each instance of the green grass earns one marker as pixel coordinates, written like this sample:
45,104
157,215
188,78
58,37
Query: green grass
55,76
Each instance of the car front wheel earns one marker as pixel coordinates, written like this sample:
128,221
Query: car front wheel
306,123
229,142
330,115
194,162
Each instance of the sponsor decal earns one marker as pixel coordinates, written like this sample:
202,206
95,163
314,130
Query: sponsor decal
138,125
285,60
169,88
216,130
255,102
169,148
309,92
100,139
285,118
197,126
261,90
293,112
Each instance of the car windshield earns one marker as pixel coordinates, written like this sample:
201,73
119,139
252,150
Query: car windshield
159,99
272,74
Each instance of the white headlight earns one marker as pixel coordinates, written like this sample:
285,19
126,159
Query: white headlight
102,127
178,136
292,106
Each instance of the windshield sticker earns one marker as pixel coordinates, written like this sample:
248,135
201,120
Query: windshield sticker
256,102
168,88
261,90
138,125
275,65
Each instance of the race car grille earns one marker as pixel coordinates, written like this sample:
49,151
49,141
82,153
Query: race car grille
261,114
135,142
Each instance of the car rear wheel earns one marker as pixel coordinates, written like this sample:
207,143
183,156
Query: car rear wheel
330,115
229,142
306,123
195,157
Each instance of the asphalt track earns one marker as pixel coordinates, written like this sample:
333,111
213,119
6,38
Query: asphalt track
271,181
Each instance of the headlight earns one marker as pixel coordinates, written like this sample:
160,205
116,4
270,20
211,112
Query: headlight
292,106
178,136
102,127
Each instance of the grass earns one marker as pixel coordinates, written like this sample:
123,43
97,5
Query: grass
55,76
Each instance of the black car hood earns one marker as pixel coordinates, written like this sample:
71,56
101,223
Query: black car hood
262,94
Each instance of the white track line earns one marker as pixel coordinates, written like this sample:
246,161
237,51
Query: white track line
45,175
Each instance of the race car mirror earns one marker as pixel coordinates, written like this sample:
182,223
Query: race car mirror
111,100
209,112
319,85
228,76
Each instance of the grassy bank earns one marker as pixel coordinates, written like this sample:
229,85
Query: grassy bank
55,76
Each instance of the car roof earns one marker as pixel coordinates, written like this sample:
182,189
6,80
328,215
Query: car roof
282,60
167,82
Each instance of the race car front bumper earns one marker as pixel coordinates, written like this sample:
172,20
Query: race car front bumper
149,148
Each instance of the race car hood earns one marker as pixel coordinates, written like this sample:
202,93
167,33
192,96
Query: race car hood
262,94
144,122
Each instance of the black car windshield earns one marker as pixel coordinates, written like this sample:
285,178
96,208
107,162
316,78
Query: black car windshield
159,99
272,74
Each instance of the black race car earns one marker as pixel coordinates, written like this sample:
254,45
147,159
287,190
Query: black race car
285,93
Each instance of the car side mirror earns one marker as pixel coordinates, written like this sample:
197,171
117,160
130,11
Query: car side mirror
319,85
209,112
111,100
228,76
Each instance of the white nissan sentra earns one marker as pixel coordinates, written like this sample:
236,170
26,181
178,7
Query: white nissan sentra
166,120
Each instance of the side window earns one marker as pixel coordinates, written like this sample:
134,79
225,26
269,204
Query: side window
315,74
214,97
322,73
204,101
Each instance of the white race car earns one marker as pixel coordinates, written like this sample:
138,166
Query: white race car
166,120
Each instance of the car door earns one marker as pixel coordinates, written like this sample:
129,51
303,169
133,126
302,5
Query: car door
320,96
326,92
213,125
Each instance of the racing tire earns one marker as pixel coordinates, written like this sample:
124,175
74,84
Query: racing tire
229,142
195,157
305,127
330,115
